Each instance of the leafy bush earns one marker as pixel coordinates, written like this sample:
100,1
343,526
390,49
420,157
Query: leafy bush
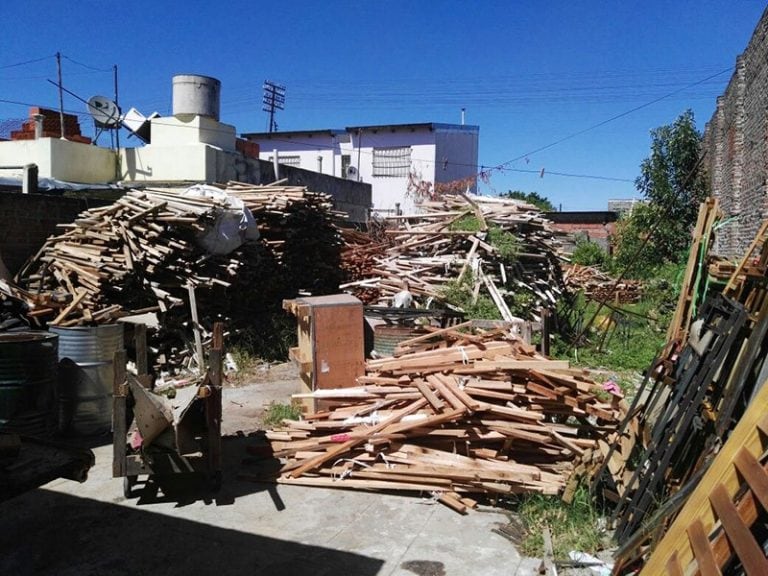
467,223
460,294
505,242
588,253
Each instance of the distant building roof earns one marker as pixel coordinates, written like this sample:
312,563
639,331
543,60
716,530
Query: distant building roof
582,217
431,126
428,125
293,133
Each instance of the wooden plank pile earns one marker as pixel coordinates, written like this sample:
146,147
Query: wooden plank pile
499,247
455,413
599,286
141,254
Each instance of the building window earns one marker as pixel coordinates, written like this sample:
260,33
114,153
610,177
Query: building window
393,162
288,160
346,160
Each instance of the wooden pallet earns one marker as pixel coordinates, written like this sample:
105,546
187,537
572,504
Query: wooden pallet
709,214
714,529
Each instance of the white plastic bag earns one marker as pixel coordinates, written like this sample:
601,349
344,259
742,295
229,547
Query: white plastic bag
233,225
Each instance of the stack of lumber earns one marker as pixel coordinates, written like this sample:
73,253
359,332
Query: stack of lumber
599,286
498,247
122,257
454,413
299,230
358,257
141,254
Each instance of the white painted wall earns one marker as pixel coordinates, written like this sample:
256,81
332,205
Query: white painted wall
307,147
168,163
173,131
61,159
428,150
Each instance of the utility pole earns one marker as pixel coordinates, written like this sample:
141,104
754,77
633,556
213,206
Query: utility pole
61,96
274,99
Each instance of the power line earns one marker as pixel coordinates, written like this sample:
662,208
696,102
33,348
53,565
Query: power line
27,62
94,68
611,119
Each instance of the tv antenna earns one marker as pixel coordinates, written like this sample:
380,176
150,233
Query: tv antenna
274,99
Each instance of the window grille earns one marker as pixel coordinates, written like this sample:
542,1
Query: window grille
393,162
288,160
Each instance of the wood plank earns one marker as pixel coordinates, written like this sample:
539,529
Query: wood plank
754,474
673,566
340,449
702,551
430,396
750,554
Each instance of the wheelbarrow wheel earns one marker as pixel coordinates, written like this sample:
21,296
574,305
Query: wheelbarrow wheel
128,483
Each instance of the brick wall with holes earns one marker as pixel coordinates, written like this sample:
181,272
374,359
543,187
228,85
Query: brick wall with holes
736,144
26,220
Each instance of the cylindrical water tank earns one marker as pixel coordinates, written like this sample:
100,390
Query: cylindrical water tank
28,363
196,95
86,377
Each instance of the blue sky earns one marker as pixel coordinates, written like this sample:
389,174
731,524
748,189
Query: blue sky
530,74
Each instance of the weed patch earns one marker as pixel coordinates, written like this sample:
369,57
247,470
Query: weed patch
276,412
573,526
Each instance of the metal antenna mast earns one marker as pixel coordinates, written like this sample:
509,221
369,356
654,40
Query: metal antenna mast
274,99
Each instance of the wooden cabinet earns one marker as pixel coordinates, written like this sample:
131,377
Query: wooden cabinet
330,353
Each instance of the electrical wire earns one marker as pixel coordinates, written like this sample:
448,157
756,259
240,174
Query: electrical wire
94,68
52,56
609,120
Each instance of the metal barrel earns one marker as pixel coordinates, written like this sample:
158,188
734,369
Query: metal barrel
86,369
28,382
386,337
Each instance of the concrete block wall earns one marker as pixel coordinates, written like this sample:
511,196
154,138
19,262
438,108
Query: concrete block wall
736,143
349,196
26,220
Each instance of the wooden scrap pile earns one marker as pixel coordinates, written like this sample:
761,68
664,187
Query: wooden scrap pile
511,256
597,285
113,257
358,257
454,413
141,254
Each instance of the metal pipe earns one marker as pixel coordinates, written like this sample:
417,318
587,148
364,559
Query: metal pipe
276,164
320,164
38,118
61,96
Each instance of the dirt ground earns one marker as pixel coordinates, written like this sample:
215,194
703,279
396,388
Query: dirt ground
246,396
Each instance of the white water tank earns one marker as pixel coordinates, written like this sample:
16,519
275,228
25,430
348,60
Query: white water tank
196,95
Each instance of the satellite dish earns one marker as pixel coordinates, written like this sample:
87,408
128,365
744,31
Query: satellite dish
104,111
351,173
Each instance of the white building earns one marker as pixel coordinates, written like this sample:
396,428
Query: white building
388,156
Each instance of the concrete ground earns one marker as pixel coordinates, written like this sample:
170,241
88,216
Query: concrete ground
179,527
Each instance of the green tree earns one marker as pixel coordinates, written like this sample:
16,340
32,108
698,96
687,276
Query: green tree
631,232
674,182
534,198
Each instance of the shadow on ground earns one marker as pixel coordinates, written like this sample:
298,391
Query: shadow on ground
102,538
